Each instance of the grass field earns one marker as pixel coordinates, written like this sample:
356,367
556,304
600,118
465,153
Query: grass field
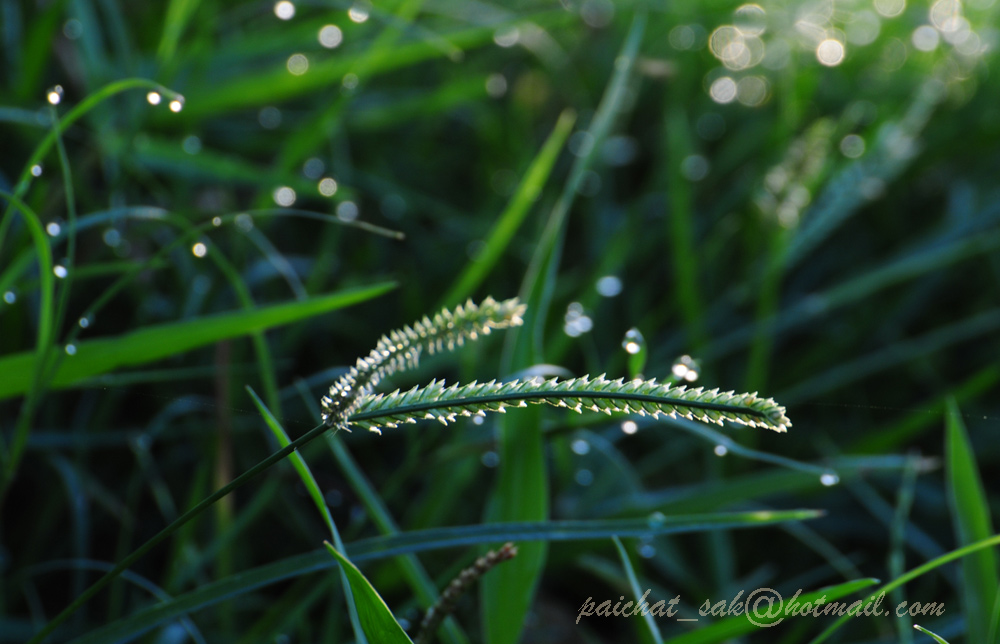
211,210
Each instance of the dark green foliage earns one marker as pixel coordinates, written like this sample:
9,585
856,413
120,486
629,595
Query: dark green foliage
826,235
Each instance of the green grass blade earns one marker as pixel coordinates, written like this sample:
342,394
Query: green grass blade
95,357
275,84
510,219
729,628
376,618
913,574
87,104
633,583
421,582
312,488
937,638
970,513
37,361
380,548
176,525
178,14
890,356
522,489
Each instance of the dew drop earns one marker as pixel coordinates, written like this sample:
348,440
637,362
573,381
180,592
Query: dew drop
829,479
630,427
10,297
347,211
685,368
269,117
216,221
55,95
112,237
177,104
359,12
71,349
721,450
490,459
53,229
313,168
284,196
244,222
60,271
609,286
192,144
284,9
154,98
647,551
656,519
633,342
199,250
580,446
36,170
330,36
584,477
327,187
84,322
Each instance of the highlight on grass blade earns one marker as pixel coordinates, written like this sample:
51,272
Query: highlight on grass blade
376,618
937,638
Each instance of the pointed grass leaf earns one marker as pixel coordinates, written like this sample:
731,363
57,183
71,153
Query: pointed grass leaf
633,582
971,519
376,618
919,571
154,342
937,638
385,547
729,628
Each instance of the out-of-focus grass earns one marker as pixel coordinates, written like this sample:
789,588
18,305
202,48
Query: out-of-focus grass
825,230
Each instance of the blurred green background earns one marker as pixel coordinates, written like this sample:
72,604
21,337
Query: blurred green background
795,198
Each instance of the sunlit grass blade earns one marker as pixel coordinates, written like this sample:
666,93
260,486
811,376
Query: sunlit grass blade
179,12
376,618
98,356
312,488
522,490
913,574
525,196
937,638
274,85
36,362
970,513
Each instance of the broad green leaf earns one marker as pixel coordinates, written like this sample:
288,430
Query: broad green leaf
95,357
376,618
971,519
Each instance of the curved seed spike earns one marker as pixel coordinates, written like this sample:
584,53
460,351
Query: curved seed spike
444,403
400,349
